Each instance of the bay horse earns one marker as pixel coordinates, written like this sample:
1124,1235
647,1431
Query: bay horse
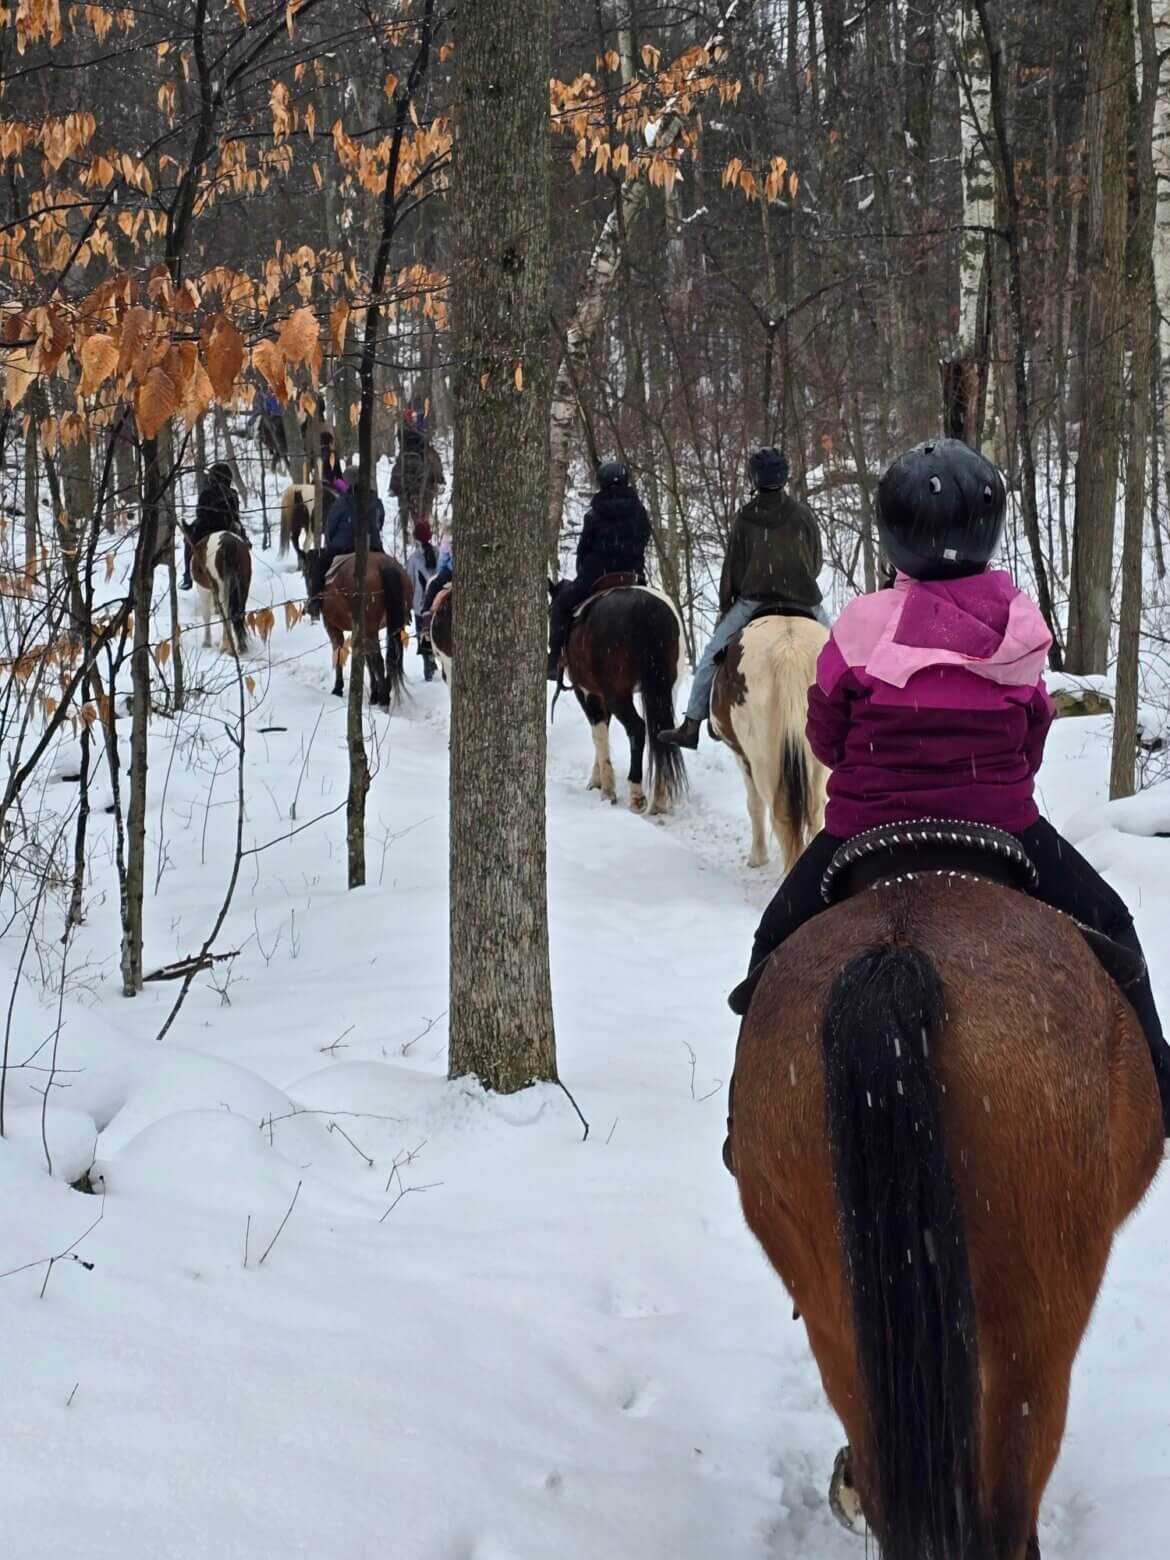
759,706
389,598
944,1110
296,516
442,631
221,565
627,641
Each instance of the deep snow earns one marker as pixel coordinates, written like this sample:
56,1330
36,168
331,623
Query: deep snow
496,1341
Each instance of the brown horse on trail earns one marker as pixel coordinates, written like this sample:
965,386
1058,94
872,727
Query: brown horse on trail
389,598
626,640
296,516
944,1110
759,705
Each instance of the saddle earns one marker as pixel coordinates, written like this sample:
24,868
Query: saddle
938,847
783,609
437,604
603,587
338,563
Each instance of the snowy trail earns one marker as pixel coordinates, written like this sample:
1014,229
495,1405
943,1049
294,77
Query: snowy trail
496,1341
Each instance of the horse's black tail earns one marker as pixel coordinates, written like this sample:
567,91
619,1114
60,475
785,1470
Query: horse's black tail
237,598
394,607
906,1258
665,769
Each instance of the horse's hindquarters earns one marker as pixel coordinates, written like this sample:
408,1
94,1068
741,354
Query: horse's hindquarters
1051,1130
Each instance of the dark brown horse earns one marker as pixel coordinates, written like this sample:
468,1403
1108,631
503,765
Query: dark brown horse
296,516
389,596
944,1109
627,642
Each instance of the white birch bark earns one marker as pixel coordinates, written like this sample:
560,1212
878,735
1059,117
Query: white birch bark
978,175
599,278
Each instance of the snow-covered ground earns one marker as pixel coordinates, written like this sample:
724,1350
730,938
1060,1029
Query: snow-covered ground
475,1336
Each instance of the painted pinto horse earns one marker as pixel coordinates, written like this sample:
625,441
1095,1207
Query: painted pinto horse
935,1151
296,516
442,631
626,640
221,565
389,596
759,705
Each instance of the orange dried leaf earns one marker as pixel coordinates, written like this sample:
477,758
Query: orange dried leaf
338,320
156,401
518,375
99,359
225,354
162,652
298,335
250,684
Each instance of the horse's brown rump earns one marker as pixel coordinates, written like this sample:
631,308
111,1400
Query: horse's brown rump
389,596
1051,1130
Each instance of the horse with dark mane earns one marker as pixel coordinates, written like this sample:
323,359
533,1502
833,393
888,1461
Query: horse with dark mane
935,1144
626,640
389,597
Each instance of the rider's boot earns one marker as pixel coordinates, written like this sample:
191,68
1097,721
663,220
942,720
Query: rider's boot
684,736
553,670
186,582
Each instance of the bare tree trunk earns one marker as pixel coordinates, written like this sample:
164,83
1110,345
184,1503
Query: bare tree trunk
965,372
1141,319
501,997
143,595
32,493
1021,330
1161,153
604,266
1102,414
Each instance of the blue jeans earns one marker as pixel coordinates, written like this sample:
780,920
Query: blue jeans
726,629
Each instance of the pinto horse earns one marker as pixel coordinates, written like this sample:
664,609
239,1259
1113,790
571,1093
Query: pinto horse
389,597
222,568
944,1110
625,641
759,704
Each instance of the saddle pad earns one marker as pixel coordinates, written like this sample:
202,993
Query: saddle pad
338,563
927,845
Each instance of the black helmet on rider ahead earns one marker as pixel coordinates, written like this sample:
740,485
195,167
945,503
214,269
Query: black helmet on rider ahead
768,469
611,474
940,511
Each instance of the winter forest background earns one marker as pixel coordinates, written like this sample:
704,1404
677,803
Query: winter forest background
835,225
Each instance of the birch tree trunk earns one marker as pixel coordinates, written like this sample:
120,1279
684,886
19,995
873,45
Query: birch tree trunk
964,374
1103,407
1161,161
501,996
603,268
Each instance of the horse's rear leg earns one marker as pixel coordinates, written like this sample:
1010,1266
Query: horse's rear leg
635,729
338,643
758,815
379,692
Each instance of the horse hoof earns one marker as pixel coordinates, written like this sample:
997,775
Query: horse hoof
637,800
757,861
844,1501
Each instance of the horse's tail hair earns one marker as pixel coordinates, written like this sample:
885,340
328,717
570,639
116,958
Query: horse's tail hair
395,610
906,1258
236,602
665,768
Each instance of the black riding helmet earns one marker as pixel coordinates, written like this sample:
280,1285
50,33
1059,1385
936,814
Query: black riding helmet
940,511
220,472
769,470
611,474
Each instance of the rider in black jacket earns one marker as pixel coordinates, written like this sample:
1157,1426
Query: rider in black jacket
614,539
